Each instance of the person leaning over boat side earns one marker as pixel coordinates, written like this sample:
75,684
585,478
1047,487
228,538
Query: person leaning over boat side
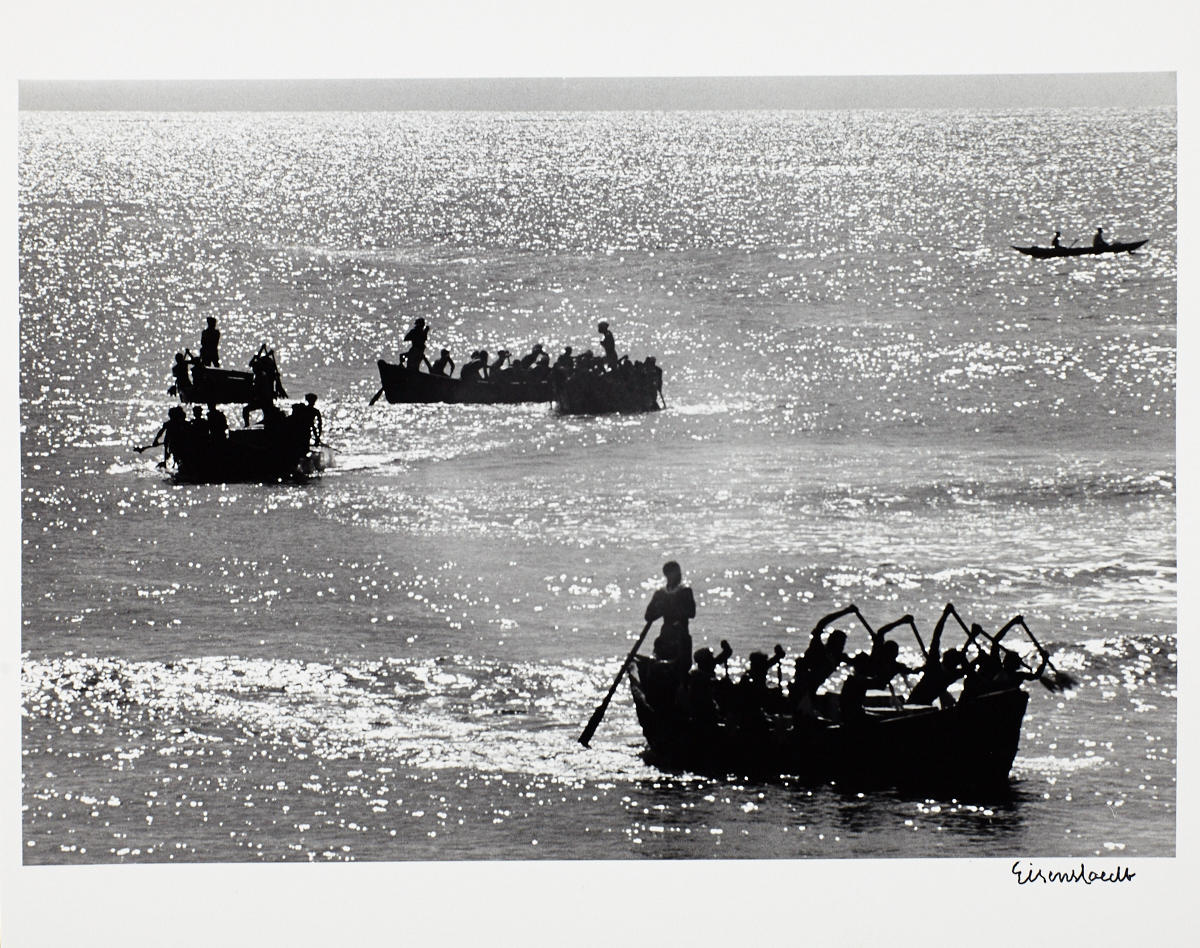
1098,240
172,432
210,338
608,344
416,338
675,605
444,364
306,421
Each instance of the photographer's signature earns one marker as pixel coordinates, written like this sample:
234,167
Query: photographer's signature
1083,875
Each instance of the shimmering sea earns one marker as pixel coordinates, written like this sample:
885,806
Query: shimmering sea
872,399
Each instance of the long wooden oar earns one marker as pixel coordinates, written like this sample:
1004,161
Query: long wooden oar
598,714
375,397
1060,680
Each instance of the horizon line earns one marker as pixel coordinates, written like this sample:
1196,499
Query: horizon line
597,93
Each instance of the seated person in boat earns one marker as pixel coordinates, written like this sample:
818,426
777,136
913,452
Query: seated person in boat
526,361
852,697
752,698
565,361
1002,670
496,369
198,424
210,338
475,370
699,691
939,672
1098,241
1057,238
675,605
883,664
819,661
218,424
540,371
444,364
416,338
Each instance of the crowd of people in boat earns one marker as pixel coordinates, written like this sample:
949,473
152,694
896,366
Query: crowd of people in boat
686,682
533,366
294,431
183,438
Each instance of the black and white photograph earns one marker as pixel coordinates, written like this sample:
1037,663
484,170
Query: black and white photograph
554,474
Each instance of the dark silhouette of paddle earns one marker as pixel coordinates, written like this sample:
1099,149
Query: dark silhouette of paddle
598,714
145,447
375,397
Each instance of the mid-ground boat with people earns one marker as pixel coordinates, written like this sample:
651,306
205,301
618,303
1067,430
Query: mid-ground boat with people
253,455
401,385
1087,250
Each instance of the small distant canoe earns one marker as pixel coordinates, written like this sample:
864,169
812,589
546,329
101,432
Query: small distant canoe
403,386
207,385
1117,247
972,744
254,455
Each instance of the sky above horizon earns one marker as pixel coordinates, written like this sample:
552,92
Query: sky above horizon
573,93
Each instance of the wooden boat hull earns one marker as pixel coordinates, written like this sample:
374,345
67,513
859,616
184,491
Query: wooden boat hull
584,393
402,386
1043,252
972,744
249,455
216,386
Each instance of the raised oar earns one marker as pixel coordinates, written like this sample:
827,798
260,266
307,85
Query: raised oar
1060,680
598,714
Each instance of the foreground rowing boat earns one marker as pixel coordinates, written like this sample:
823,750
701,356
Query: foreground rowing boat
1041,252
971,744
404,386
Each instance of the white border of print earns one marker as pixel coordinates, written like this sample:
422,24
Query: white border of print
827,902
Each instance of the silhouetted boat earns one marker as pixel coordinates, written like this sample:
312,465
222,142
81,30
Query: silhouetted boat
208,385
600,393
971,744
1116,247
403,386
248,455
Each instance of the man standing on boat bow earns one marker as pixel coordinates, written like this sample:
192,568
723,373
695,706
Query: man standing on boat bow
675,605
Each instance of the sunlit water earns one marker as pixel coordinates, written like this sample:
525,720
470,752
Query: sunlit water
872,399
